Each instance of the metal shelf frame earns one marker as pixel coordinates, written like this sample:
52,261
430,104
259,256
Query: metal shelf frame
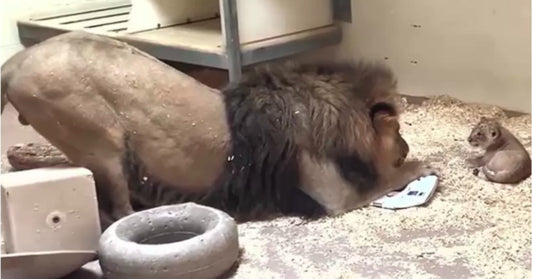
228,53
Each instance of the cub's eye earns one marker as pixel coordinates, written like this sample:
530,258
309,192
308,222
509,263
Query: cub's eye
478,134
493,134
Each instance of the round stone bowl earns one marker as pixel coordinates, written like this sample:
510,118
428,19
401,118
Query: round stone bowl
176,241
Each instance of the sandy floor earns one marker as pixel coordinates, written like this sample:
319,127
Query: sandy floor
471,229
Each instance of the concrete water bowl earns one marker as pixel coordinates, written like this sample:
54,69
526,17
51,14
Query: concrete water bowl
177,241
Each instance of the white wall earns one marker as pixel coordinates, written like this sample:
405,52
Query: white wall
475,50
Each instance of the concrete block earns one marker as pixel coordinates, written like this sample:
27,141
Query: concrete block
49,209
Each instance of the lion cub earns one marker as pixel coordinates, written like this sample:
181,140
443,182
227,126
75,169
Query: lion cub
505,159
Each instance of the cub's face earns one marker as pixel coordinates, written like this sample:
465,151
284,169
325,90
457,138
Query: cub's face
484,134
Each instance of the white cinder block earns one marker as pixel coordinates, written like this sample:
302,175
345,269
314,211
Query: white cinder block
49,209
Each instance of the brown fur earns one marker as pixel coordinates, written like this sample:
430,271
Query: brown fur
254,150
323,114
505,159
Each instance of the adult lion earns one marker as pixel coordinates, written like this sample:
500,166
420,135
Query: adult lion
290,139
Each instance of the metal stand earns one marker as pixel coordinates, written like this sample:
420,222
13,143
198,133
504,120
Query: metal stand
211,42
231,37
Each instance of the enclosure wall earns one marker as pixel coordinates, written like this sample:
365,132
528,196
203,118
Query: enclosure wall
476,50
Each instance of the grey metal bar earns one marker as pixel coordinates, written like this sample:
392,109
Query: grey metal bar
207,59
30,33
232,41
342,10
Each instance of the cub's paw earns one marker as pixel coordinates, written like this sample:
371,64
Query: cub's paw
473,162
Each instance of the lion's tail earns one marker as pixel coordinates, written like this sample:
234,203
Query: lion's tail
3,87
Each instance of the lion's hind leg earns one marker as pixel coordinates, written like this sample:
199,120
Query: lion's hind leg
110,175
90,135
499,176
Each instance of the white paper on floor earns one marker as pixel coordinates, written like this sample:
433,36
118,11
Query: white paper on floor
416,193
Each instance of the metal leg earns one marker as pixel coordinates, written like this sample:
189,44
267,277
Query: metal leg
231,37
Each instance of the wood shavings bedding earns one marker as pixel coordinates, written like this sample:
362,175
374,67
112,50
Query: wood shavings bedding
470,229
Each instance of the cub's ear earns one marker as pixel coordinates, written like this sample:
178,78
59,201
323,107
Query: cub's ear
494,132
485,119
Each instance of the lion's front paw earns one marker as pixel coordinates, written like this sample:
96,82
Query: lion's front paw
119,213
425,169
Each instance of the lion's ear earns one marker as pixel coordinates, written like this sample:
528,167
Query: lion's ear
382,108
